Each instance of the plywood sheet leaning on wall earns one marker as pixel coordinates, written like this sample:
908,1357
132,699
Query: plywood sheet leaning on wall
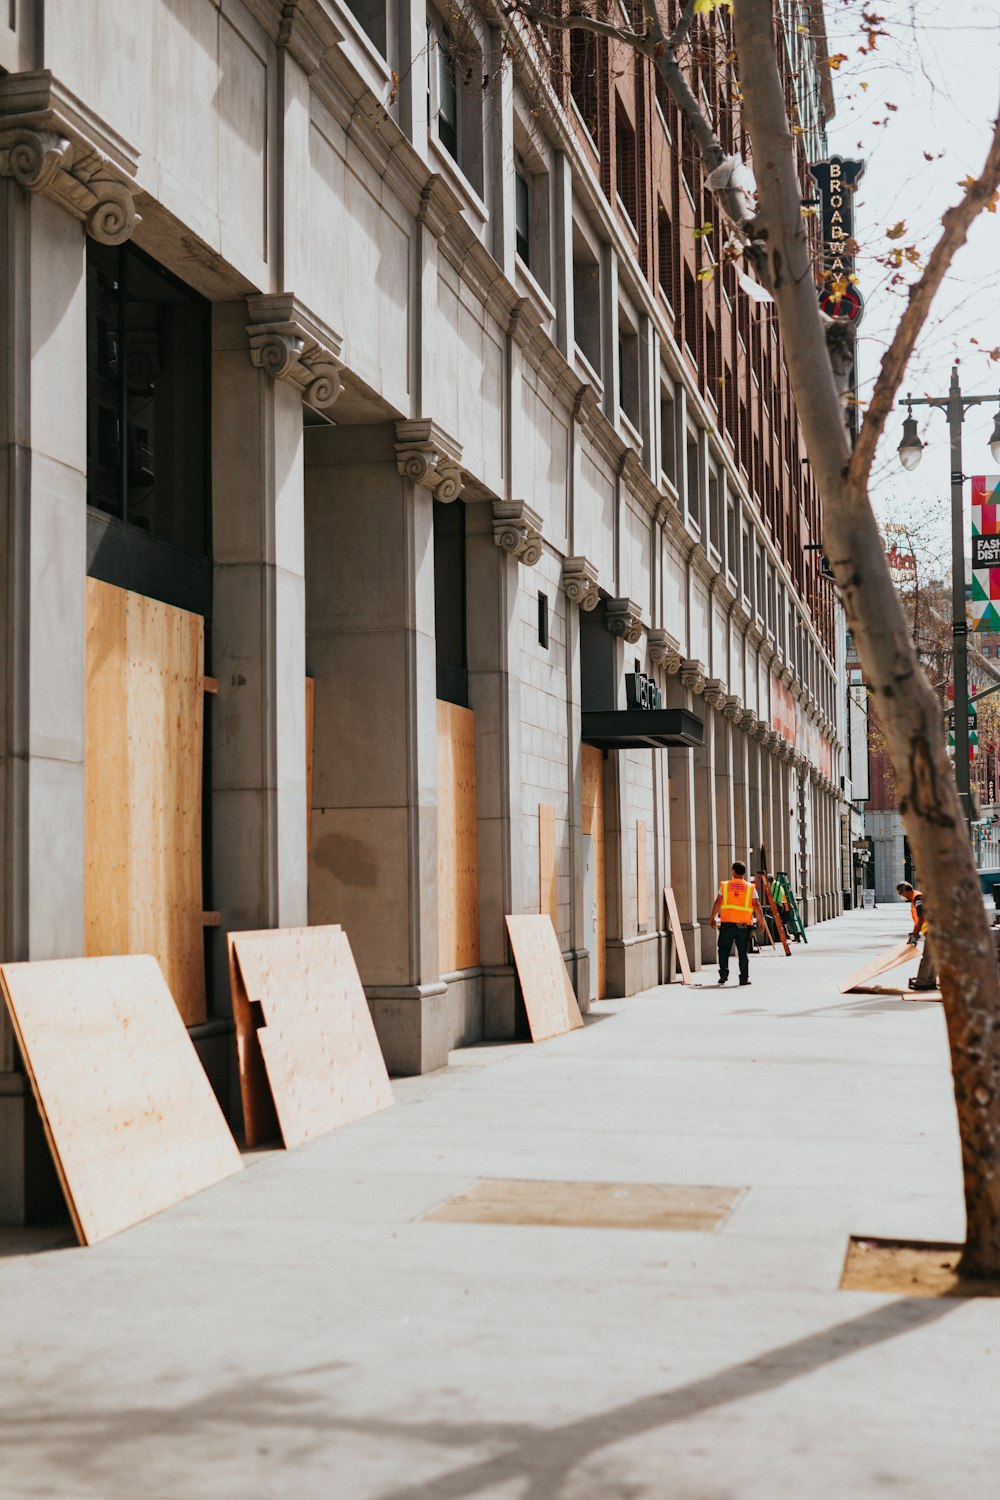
674,918
458,857
309,1057
549,1000
130,1116
592,766
143,776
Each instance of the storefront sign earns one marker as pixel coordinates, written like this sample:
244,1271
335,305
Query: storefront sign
837,180
986,552
641,692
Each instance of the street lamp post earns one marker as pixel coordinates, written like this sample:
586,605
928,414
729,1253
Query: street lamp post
910,450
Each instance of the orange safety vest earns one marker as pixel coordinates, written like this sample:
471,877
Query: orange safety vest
737,902
917,896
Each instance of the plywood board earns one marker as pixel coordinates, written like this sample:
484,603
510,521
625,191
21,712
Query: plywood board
902,953
458,858
301,1002
143,761
130,1116
548,898
592,768
549,999
641,876
674,918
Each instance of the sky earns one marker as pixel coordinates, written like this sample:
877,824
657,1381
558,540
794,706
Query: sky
940,67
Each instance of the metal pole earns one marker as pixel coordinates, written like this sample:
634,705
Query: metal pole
960,629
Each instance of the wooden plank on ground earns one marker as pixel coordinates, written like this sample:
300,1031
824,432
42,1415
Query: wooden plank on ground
457,827
549,999
674,918
902,953
298,998
130,1116
548,886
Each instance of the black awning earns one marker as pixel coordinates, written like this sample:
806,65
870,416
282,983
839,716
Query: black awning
642,728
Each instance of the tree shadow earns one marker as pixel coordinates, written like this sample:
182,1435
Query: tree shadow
88,1444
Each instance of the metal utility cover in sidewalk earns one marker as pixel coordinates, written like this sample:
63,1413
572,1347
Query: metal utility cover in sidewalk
589,1205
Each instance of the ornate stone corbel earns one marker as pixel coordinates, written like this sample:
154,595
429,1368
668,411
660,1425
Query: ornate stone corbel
748,721
625,620
579,580
308,32
427,455
50,144
291,344
663,651
714,692
693,674
518,530
762,732
586,404
732,708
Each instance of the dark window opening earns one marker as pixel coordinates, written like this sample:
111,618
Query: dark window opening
447,118
626,176
522,213
147,398
543,621
583,78
450,603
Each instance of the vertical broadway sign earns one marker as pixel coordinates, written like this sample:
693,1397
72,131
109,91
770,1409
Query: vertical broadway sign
837,180
986,552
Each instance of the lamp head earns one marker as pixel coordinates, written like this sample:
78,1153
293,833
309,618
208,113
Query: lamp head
910,448
995,439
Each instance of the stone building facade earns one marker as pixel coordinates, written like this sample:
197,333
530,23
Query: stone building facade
387,346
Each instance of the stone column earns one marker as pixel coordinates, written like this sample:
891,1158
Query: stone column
259,864
370,648
43,565
494,696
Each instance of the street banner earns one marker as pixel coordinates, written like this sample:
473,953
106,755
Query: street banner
986,552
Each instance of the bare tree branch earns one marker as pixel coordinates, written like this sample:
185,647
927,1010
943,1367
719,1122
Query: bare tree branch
579,21
956,224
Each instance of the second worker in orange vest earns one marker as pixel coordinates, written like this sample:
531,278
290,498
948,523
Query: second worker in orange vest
736,905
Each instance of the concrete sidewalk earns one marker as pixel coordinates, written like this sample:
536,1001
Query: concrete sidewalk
301,1331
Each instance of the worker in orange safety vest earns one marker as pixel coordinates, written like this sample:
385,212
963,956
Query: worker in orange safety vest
927,973
736,907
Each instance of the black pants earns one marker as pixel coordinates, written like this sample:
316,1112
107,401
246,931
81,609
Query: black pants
730,933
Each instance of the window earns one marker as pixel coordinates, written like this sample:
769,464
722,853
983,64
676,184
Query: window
147,398
371,17
715,511
522,212
666,257
628,370
693,452
454,96
586,300
450,603
668,433
543,621
583,67
626,173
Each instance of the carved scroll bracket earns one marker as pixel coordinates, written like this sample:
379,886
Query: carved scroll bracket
625,620
426,454
579,580
291,344
693,674
518,530
663,650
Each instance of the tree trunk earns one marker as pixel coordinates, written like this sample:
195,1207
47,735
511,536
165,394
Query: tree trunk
907,708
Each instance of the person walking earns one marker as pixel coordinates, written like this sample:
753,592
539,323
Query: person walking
927,973
736,907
